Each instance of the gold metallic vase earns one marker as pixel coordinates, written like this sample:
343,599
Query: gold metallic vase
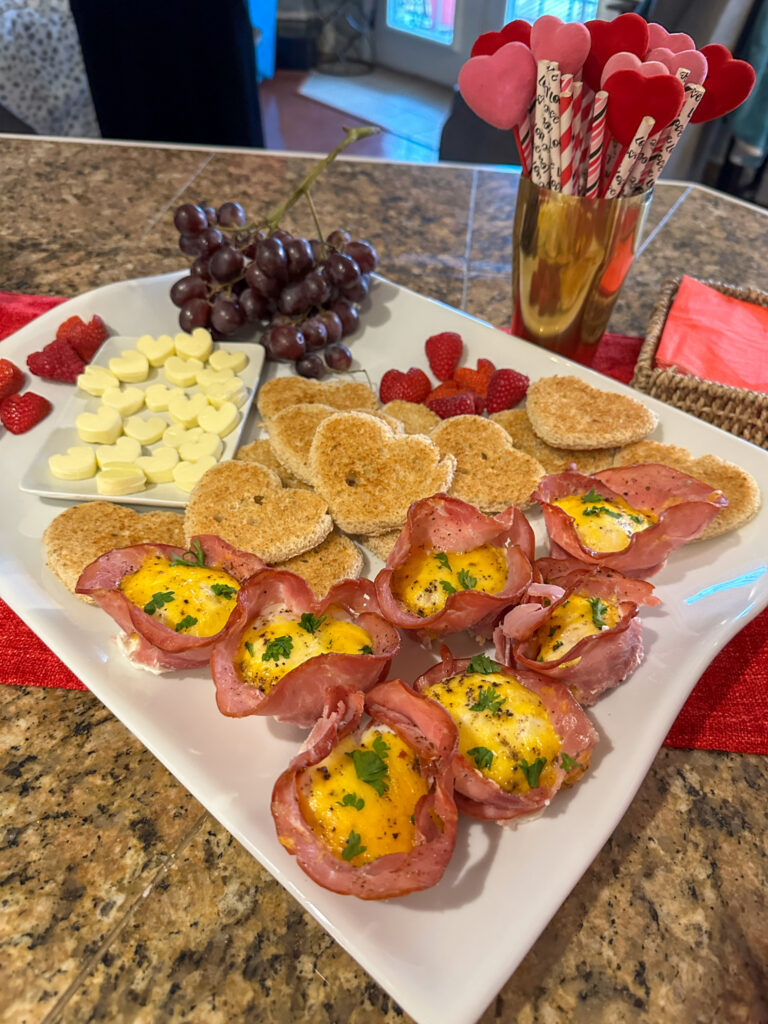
570,258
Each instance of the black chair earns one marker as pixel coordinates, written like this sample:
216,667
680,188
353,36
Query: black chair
466,138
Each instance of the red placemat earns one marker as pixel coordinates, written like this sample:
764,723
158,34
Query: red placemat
728,709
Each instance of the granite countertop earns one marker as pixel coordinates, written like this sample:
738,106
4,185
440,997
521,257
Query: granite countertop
122,898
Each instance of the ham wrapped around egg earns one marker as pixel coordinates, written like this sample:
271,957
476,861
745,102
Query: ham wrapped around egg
521,735
367,809
629,518
284,649
171,604
579,626
454,568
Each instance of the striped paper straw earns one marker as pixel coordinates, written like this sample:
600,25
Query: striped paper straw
596,141
540,163
693,96
526,138
627,160
566,134
552,99
612,155
639,171
578,140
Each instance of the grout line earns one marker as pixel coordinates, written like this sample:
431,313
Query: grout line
664,220
171,202
468,247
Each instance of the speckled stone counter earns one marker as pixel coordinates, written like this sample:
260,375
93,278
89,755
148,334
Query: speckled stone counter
122,898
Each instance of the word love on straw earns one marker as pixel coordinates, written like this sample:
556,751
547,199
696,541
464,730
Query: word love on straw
597,110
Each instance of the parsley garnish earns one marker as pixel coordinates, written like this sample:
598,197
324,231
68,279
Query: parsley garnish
158,600
447,587
553,630
249,647
353,847
366,649
466,580
195,553
186,623
567,762
637,519
487,700
278,648
596,510
352,800
371,765
310,622
483,757
223,590
599,608
591,496
557,644
442,560
532,771
482,664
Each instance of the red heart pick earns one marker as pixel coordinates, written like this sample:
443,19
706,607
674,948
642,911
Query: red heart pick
629,62
631,97
692,60
674,41
499,87
513,32
628,32
727,85
568,44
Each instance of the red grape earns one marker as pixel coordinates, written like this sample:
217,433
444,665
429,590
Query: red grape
190,245
298,253
333,325
338,357
187,288
195,313
190,219
254,305
267,286
226,315
348,315
338,238
310,365
231,215
270,256
315,332
364,255
358,290
285,341
293,299
226,264
341,270
211,239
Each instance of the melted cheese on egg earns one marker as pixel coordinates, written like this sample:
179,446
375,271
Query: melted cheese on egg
183,597
504,728
268,652
425,582
571,621
604,524
348,813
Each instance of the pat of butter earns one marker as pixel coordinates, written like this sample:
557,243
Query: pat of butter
101,427
78,464
196,345
125,451
126,400
221,421
182,372
187,410
227,359
120,479
132,366
206,444
157,350
159,466
157,397
187,474
96,379
231,390
207,377
146,430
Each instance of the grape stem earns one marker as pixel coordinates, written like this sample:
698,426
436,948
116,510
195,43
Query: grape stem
318,229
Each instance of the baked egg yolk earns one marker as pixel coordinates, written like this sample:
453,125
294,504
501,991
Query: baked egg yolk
604,524
571,621
196,600
268,652
361,799
504,729
425,582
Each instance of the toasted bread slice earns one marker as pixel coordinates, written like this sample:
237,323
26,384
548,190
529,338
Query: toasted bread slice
336,558
554,460
245,504
382,544
415,417
490,472
261,451
369,475
566,412
740,487
281,392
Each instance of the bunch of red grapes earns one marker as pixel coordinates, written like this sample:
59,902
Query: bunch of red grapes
304,293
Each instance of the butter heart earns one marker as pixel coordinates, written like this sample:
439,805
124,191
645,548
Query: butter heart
631,97
146,430
231,390
187,474
517,31
207,378
132,366
101,427
629,62
221,421
125,400
196,345
177,434
553,39
205,444
159,466
157,396
187,410
228,359
694,62
627,33
96,379
118,480
125,450
674,41
499,87
182,372
157,350
78,464
727,85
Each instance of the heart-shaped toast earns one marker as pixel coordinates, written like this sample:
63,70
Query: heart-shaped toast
499,87
627,33
369,475
282,392
517,31
694,62
631,97
566,43
727,85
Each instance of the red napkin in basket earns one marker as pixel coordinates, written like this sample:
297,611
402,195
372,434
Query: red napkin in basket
728,710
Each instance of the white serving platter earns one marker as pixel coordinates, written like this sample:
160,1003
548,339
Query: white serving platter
430,951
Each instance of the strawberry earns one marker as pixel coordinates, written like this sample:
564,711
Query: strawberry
448,387
11,378
18,413
85,338
444,352
505,389
462,404
486,367
57,361
413,386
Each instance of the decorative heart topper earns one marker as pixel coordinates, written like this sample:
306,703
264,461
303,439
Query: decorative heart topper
727,85
568,44
513,32
631,97
674,41
692,60
499,87
629,62
626,34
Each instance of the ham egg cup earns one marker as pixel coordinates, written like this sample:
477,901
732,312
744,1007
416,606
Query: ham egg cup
629,518
521,736
367,809
171,604
579,626
283,649
454,568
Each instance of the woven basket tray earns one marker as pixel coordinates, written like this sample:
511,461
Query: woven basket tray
738,410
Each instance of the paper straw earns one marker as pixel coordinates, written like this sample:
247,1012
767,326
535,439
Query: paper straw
628,158
612,154
566,134
639,171
693,96
541,162
596,142
552,99
526,137
577,132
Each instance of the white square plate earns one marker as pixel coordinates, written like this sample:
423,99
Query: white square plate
426,949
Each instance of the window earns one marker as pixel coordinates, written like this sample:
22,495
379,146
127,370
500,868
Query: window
566,10
430,19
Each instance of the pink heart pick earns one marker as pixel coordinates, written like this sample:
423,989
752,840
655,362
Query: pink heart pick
674,41
629,62
568,44
693,60
499,87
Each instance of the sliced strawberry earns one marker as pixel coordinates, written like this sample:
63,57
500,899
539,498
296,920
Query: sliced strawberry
413,386
11,378
448,387
462,404
444,352
57,361
472,380
85,338
506,388
19,413
485,366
